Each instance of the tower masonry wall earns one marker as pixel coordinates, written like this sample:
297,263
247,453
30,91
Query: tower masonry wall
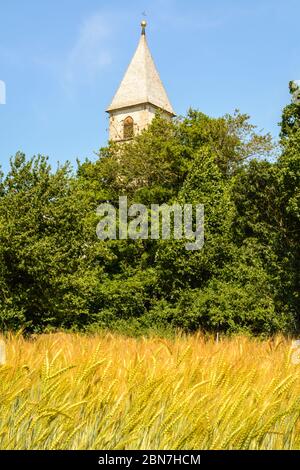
141,114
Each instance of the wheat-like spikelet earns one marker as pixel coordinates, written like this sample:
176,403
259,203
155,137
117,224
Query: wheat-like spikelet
73,391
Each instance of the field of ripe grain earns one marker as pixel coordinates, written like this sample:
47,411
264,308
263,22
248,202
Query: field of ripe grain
67,391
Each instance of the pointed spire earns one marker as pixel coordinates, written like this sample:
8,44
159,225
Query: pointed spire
141,83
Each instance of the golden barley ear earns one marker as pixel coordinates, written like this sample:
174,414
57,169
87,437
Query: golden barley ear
2,353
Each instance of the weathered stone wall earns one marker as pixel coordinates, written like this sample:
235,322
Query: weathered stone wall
141,114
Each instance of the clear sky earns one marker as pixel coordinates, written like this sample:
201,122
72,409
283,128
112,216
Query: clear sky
62,60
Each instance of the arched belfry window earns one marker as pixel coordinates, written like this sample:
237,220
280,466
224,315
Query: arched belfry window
128,128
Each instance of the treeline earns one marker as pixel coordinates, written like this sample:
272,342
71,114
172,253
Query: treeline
55,273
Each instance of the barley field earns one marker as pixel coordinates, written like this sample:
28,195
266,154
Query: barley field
69,391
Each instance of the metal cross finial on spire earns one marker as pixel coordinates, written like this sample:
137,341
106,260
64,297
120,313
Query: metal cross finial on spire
143,25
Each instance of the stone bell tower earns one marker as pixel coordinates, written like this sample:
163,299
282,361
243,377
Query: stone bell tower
140,95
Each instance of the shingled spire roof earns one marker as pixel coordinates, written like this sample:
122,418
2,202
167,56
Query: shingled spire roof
141,82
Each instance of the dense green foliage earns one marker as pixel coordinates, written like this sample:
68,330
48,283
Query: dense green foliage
56,273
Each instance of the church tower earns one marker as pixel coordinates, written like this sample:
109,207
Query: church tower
140,95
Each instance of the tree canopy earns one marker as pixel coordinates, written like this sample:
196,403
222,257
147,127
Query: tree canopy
56,273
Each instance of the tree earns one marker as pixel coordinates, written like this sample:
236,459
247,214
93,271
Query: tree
55,272
47,245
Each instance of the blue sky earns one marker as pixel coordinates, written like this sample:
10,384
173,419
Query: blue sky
63,60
